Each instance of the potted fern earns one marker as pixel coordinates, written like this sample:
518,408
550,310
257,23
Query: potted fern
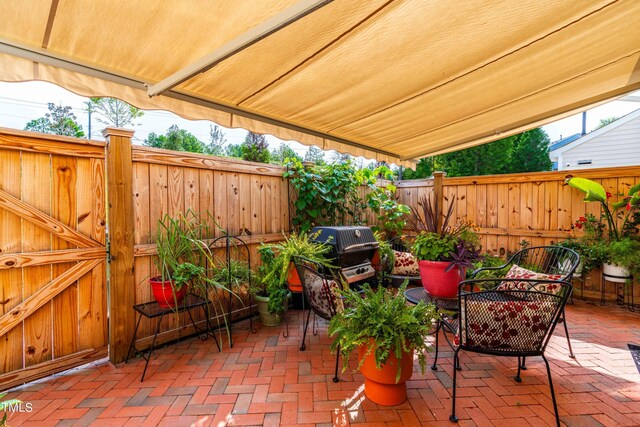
386,333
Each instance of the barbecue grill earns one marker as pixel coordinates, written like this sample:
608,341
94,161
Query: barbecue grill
352,249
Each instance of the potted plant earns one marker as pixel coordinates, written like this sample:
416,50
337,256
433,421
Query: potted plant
271,294
390,214
624,259
444,252
621,220
179,259
386,332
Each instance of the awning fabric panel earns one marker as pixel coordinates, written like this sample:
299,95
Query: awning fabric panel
391,80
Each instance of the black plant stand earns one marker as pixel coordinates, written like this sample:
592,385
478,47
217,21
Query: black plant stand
152,310
229,243
628,281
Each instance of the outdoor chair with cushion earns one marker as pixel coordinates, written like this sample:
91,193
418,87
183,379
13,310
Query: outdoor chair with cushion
405,265
539,262
508,317
321,287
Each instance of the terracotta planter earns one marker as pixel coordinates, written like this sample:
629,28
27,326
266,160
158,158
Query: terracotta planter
439,283
376,263
164,293
380,384
293,279
615,273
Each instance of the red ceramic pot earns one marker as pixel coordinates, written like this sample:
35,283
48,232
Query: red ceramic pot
380,385
164,293
439,283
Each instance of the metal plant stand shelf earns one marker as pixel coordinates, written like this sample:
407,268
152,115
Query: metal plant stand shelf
152,310
628,281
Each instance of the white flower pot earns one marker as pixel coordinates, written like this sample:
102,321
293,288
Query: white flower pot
615,273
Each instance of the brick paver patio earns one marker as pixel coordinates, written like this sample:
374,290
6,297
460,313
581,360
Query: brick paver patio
266,380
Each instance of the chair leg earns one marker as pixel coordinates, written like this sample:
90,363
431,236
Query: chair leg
435,358
553,395
517,377
453,417
523,365
566,332
304,334
335,377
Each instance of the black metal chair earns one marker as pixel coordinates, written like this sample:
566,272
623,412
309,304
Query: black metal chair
320,286
514,317
552,260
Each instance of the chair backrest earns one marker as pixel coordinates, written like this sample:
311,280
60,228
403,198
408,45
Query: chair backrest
511,317
556,260
321,286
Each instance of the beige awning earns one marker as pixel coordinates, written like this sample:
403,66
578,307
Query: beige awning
391,80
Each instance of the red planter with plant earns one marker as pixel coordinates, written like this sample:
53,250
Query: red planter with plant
437,281
380,385
165,293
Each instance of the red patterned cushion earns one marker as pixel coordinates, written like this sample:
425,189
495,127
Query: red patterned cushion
517,272
405,264
512,325
324,295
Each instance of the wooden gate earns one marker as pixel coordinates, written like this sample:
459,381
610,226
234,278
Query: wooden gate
53,309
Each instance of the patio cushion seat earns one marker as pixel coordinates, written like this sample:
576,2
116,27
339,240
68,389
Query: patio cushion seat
405,264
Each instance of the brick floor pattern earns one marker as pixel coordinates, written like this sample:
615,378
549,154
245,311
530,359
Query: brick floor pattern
266,380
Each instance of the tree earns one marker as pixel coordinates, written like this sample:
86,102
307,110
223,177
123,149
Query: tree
58,121
175,139
525,152
339,158
606,121
233,150
530,152
255,148
114,112
216,141
315,155
282,153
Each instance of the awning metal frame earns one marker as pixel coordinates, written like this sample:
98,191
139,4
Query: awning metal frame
238,44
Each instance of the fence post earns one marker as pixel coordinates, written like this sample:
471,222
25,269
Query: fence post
438,194
120,214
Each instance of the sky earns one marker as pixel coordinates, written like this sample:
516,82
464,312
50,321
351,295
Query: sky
22,102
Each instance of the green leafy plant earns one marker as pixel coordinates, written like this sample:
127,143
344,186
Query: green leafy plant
619,216
276,257
180,248
385,251
390,214
625,253
393,326
458,244
327,194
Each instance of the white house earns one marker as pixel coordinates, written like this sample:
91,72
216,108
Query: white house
617,144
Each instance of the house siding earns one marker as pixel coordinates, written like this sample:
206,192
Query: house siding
618,147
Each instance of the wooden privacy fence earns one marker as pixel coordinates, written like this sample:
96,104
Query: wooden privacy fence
54,193
53,305
247,199
537,207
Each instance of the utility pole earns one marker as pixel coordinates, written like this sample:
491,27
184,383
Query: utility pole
89,111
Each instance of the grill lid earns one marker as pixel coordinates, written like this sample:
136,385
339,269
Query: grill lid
345,238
